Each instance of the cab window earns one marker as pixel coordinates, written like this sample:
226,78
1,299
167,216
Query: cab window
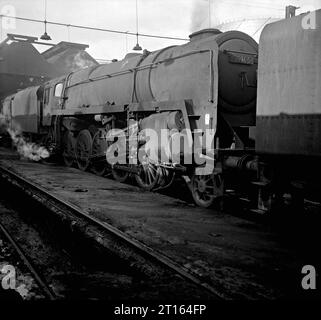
58,89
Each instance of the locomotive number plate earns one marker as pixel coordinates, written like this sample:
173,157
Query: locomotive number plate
242,59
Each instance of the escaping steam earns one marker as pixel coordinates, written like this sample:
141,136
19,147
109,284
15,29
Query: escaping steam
199,15
80,61
28,150
206,14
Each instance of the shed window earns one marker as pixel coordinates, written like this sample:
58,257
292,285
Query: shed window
58,89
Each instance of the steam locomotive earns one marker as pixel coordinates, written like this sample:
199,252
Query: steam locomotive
196,108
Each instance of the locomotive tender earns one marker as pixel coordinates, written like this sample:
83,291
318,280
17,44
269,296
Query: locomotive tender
288,125
214,83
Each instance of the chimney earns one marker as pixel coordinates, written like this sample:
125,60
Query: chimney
290,11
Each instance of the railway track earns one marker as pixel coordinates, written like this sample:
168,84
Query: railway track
41,282
138,255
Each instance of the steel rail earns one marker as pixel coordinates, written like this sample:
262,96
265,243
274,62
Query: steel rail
42,284
134,245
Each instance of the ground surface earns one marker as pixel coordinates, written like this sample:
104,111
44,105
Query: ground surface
240,258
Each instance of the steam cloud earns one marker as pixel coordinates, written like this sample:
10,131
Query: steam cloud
199,15
80,62
28,150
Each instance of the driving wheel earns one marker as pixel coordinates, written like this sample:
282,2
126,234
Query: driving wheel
83,149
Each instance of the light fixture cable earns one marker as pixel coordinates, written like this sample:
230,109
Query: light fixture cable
45,36
137,46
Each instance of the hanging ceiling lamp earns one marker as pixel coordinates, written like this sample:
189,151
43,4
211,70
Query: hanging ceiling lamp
45,36
137,46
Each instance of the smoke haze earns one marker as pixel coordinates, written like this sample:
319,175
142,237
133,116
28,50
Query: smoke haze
227,11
